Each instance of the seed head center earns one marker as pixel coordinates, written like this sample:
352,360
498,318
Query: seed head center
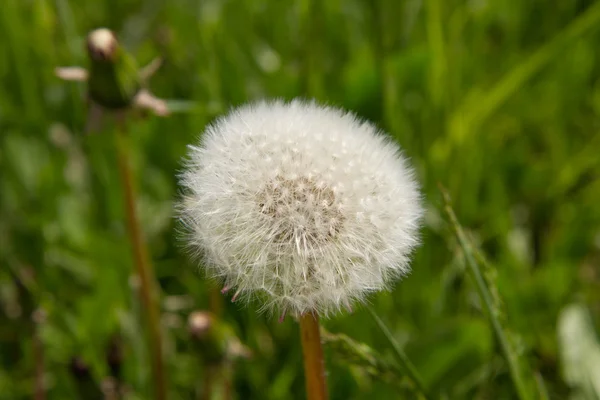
301,211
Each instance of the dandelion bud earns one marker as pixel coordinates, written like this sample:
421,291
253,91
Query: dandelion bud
305,207
101,44
199,323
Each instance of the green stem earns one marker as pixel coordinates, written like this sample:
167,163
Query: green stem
401,356
488,303
142,265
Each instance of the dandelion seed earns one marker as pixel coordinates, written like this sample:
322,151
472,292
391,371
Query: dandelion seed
349,308
305,207
281,317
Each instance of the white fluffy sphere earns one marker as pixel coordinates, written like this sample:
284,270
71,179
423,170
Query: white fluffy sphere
305,206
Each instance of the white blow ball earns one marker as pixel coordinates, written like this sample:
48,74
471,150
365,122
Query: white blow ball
306,207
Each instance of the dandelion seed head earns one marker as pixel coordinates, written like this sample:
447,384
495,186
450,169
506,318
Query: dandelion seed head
304,206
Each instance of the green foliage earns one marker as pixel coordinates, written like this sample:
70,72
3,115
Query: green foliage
497,100
490,303
365,361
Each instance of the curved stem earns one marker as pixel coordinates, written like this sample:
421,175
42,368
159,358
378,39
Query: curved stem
314,366
142,265
510,354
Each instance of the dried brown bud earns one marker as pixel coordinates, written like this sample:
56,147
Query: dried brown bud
102,44
199,323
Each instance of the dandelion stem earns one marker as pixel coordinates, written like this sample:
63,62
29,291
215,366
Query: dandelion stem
401,356
314,366
38,355
142,264
473,268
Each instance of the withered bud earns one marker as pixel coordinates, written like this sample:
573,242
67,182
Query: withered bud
102,44
200,323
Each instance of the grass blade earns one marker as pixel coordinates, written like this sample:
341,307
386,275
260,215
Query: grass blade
491,308
349,352
481,103
401,356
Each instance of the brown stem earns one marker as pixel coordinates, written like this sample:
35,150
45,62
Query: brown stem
207,388
215,301
217,381
38,355
228,381
314,366
142,265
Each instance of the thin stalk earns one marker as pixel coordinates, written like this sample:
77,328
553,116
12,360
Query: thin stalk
217,382
485,294
142,265
38,356
541,387
314,366
207,388
227,380
215,301
401,356
211,384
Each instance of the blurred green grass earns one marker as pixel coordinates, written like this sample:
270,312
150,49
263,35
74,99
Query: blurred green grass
498,100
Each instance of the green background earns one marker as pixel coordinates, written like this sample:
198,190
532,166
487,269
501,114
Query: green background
498,100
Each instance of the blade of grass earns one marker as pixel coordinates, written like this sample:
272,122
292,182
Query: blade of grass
401,356
541,387
15,34
382,47
435,37
489,305
480,103
67,25
311,50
